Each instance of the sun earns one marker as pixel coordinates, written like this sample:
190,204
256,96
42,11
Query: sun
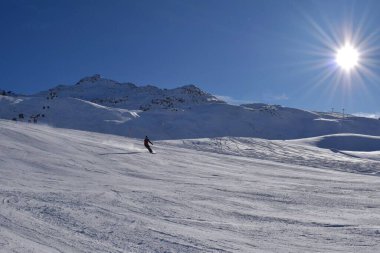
347,57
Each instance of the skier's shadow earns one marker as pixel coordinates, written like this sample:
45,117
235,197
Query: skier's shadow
125,153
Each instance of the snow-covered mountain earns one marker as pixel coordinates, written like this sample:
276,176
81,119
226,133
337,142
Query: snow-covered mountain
129,96
102,105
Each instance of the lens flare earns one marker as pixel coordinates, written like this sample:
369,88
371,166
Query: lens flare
340,58
347,57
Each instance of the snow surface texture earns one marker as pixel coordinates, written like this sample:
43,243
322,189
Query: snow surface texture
105,106
74,191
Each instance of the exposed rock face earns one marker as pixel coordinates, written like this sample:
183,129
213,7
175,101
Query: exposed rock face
89,79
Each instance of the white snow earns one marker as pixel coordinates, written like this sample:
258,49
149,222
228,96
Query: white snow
195,121
106,106
79,181
75,191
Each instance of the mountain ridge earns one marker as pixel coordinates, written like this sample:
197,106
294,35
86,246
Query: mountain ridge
106,106
130,96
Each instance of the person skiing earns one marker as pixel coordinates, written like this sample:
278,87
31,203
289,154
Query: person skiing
146,144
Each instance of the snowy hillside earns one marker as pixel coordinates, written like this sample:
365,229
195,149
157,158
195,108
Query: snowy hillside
105,106
72,191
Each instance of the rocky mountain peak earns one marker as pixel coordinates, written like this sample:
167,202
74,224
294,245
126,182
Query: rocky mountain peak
89,79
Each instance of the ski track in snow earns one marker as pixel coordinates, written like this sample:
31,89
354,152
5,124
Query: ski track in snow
73,191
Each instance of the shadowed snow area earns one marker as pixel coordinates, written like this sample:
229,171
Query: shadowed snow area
75,191
350,142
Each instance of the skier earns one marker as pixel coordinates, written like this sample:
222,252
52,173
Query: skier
146,144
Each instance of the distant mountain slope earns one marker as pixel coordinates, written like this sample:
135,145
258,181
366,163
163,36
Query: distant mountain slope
105,106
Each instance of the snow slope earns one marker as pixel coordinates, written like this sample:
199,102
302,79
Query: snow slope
74,191
196,121
325,152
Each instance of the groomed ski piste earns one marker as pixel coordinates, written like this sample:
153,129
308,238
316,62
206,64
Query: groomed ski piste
66,190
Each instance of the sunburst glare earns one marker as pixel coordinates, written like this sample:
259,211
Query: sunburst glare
347,57
343,56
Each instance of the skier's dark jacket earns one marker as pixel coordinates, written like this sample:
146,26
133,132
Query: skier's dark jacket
147,141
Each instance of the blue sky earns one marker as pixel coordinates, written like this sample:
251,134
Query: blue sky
272,51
